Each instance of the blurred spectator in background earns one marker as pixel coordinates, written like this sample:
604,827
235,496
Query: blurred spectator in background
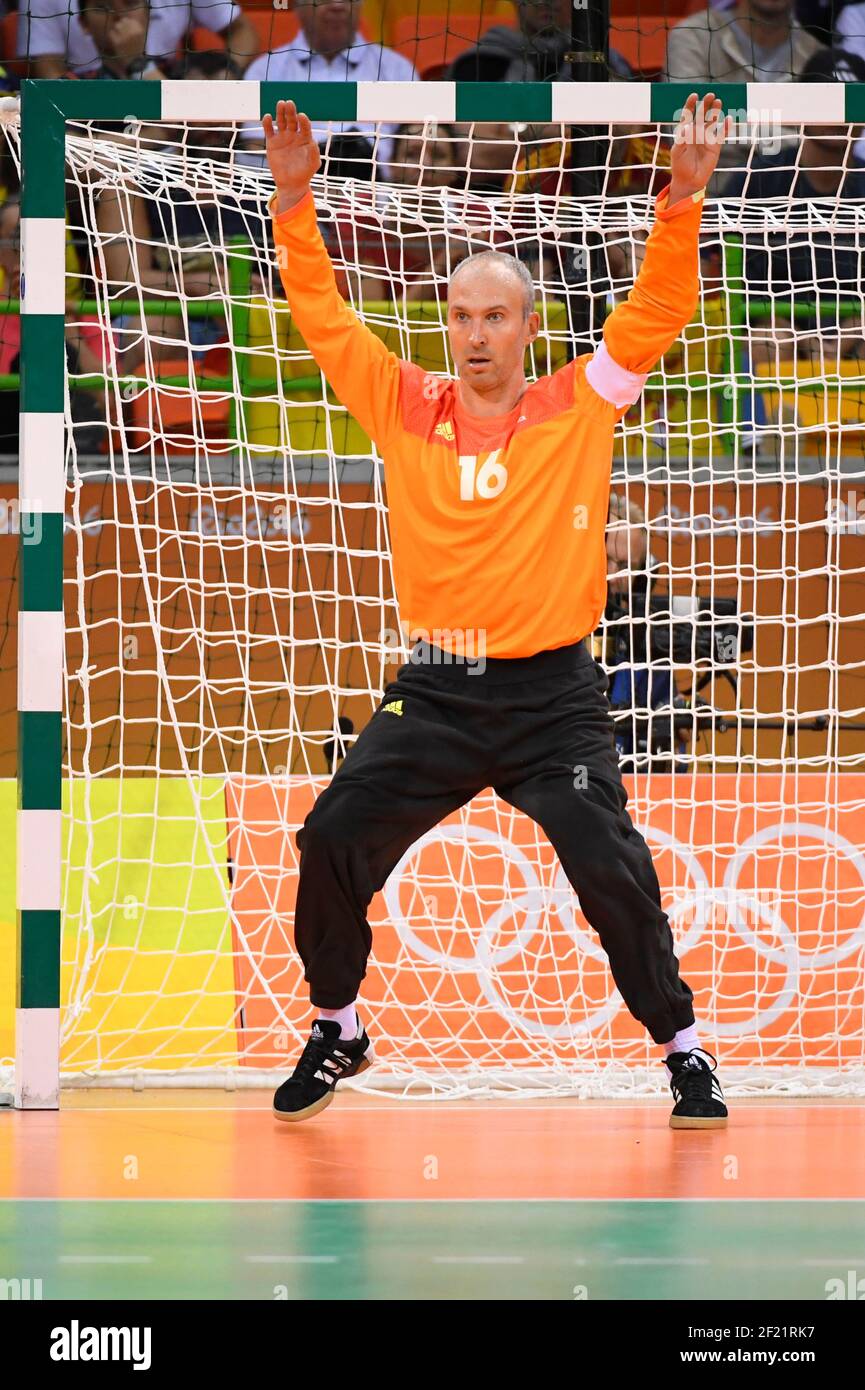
836,23
808,266
329,49
86,348
840,25
427,155
170,242
406,255
754,41
536,52
51,35
118,29
492,152
10,322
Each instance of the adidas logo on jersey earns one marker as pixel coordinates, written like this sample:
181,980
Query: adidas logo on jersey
446,430
392,707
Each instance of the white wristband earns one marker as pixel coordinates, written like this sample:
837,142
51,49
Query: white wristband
611,382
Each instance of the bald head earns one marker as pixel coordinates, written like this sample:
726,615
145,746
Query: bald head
491,323
503,264
329,26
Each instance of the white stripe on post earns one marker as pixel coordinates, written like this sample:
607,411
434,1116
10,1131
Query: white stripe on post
37,1048
42,483
770,103
210,101
39,860
43,265
595,103
406,101
40,660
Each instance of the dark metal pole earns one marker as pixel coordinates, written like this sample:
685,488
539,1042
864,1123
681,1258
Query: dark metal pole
590,62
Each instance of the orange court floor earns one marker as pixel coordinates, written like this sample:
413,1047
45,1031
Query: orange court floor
179,1193
202,1143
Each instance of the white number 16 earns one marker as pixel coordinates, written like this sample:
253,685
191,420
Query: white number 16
490,479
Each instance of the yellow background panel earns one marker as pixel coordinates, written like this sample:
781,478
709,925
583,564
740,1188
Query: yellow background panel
147,975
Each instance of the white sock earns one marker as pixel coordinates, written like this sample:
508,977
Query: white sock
346,1018
684,1041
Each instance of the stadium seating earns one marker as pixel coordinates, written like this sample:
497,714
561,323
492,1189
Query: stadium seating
432,41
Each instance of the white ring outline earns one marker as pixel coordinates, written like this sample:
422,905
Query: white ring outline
455,834
784,830
786,995
531,902
534,1027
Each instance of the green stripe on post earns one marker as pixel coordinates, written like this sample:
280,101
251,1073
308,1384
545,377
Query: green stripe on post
320,101
43,363
504,101
854,102
43,152
40,550
106,101
40,753
39,959
668,98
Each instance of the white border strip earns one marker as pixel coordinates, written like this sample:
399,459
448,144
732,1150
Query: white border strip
772,102
39,860
602,101
43,265
211,101
37,1052
572,102
40,659
43,473
406,101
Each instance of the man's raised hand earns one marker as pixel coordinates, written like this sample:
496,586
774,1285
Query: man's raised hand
292,153
696,145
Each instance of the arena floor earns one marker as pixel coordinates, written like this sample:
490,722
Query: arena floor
191,1194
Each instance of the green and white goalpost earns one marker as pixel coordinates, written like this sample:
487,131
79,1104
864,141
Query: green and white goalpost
225,569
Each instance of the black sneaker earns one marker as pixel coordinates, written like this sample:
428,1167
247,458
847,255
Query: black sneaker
696,1091
326,1059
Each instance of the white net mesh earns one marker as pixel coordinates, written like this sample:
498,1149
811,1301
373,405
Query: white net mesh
231,621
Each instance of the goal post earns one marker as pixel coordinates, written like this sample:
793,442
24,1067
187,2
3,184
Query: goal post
491,981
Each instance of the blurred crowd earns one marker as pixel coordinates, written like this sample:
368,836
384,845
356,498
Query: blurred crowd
462,166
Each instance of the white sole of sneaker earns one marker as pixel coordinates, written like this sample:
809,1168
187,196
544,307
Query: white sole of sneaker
317,1106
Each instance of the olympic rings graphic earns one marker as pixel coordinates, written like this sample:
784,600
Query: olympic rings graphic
532,899
698,902
786,831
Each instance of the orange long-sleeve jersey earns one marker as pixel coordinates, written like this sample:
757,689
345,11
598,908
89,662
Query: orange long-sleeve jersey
497,525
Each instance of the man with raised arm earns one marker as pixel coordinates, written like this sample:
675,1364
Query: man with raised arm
497,494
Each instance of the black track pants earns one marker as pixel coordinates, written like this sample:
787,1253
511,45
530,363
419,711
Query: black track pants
525,727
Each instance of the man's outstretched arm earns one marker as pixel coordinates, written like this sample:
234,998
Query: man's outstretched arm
665,295
357,365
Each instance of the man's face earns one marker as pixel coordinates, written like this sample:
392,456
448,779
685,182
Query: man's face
490,153
118,27
544,16
768,9
329,25
626,553
487,326
422,156
832,140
